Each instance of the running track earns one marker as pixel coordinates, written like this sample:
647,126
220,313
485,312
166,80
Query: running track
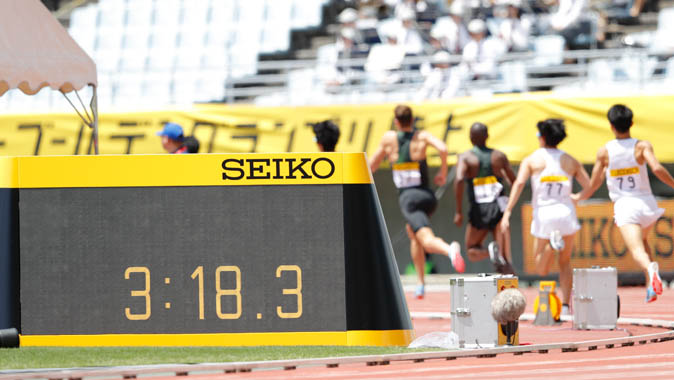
653,360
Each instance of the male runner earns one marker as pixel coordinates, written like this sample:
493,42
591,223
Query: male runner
554,223
623,162
483,170
406,151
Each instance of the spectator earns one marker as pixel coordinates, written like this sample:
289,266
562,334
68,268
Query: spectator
385,59
327,135
481,53
515,30
348,19
329,67
442,81
407,34
450,33
172,138
573,21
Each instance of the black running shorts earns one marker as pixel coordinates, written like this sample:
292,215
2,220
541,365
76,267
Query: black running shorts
417,205
484,216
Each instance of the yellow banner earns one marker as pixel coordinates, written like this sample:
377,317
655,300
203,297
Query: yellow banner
598,242
241,129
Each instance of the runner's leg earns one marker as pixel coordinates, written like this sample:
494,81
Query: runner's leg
543,256
433,244
418,256
474,239
565,270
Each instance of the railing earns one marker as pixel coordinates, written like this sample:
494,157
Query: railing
625,70
304,82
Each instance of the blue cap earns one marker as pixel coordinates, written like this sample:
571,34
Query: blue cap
172,131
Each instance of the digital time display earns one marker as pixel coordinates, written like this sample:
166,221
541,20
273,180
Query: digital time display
182,260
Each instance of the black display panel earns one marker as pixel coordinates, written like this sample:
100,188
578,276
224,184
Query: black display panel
182,260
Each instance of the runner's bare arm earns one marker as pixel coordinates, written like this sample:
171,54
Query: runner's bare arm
379,154
507,171
657,168
461,169
440,146
597,177
581,174
522,176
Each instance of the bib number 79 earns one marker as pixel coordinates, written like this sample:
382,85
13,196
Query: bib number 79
629,185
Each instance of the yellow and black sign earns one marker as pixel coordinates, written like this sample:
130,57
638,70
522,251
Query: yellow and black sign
186,170
241,129
598,242
200,250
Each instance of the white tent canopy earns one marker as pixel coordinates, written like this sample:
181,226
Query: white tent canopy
36,51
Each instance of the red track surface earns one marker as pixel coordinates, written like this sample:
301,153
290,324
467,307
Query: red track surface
649,361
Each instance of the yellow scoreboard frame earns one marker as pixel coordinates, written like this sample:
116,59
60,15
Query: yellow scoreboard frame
318,267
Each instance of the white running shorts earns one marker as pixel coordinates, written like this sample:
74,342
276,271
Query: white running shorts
558,216
641,210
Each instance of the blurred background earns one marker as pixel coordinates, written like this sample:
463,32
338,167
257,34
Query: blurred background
316,52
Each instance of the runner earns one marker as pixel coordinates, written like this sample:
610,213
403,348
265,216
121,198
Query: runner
483,170
406,151
554,223
623,162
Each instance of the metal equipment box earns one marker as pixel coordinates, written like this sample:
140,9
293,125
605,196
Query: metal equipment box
470,305
595,298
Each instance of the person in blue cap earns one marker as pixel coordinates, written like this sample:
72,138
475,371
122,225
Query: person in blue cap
173,139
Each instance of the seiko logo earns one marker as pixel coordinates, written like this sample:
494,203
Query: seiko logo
277,168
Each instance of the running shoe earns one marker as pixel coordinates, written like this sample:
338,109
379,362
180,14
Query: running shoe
653,273
419,293
456,258
566,310
556,241
650,295
495,254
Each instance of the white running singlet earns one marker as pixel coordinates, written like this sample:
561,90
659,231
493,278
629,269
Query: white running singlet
553,209
624,176
552,185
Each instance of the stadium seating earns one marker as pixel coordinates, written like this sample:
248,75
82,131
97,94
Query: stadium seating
152,49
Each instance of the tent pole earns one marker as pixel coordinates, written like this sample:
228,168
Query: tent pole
94,111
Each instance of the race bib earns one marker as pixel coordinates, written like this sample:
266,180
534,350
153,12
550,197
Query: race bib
486,189
555,187
625,179
406,175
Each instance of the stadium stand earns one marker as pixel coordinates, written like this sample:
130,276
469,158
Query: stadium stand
152,53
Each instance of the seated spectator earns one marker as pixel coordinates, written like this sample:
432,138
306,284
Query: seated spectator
384,61
348,19
515,30
573,21
481,54
332,68
442,81
407,34
423,10
449,33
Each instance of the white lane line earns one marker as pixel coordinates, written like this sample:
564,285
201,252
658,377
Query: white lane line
500,369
